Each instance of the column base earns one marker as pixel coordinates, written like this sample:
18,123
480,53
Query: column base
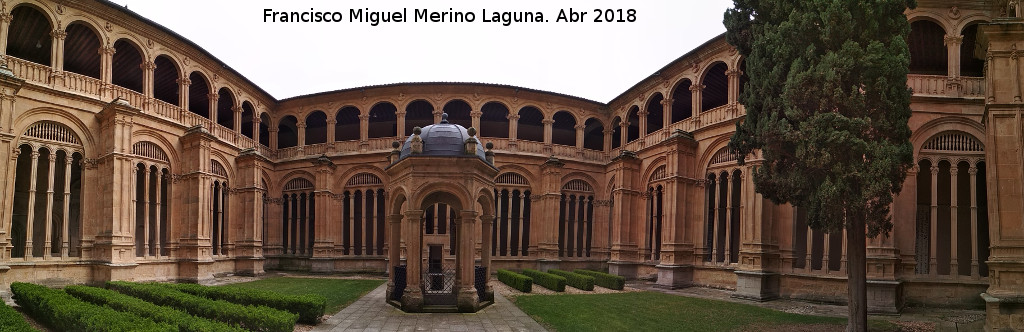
757,286
412,300
113,272
467,300
1003,314
547,264
195,271
249,266
321,265
674,276
885,297
623,269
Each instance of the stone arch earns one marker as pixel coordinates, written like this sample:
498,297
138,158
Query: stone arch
228,166
633,124
928,52
655,113
26,41
563,128
152,136
344,177
682,100
583,177
485,202
950,123
660,161
165,78
492,122
126,64
418,113
970,65
287,132
512,168
531,123
459,112
382,120
199,93
316,127
81,48
227,101
30,117
296,174
713,147
593,134
398,198
715,86
459,195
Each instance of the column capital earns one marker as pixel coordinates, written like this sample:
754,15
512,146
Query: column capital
512,117
697,87
953,40
6,18
935,169
213,96
147,65
58,34
107,50
363,117
580,126
184,81
547,121
413,215
476,113
666,102
972,171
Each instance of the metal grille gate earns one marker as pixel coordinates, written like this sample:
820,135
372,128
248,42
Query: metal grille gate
439,284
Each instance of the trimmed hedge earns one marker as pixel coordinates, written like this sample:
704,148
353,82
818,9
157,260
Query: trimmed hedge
125,303
549,281
309,307
63,312
605,280
576,280
255,318
12,321
515,280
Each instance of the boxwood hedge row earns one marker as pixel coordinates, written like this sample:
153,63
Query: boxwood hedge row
576,280
515,280
254,318
63,312
12,321
125,303
605,280
549,281
309,307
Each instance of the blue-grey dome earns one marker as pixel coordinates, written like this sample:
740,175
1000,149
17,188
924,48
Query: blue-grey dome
443,139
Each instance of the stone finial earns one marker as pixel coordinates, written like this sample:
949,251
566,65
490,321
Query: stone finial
471,131
396,152
416,142
444,117
489,155
471,144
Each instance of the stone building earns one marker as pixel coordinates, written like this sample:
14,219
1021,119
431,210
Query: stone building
129,152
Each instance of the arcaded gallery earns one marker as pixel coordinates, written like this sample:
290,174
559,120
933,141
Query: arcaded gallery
130,153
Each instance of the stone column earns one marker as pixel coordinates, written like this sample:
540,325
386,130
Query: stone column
148,70
65,242
213,97
547,130
400,124
696,92
236,123
183,84
195,218
394,250
331,134
1004,120
30,220
364,125
273,137
628,212
301,127
467,297
681,198
513,126
666,107
108,215
953,85
643,123
475,116
607,145
579,135
623,132
544,218
412,298
57,57
248,218
106,70
5,27
323,243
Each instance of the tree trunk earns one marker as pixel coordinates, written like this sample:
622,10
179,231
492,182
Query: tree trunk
856,269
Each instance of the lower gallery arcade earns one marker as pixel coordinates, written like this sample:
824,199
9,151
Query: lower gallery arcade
127,152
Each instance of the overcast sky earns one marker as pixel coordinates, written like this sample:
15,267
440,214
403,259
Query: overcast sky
594,60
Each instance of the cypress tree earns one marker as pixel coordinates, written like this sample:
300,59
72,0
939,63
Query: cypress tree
827,105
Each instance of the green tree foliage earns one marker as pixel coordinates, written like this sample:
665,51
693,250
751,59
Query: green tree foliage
827,104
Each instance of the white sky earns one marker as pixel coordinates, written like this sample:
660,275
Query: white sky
591,60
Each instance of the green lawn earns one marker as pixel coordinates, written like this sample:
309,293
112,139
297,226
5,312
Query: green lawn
649,311
339,292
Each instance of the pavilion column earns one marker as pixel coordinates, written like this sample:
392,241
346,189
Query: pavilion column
513,126
67,204
547,130
394,250
467,297
579,135
486,222
934,221
412,298
49,206
696,92
30,220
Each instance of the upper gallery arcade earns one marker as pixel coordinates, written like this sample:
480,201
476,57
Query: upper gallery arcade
129,152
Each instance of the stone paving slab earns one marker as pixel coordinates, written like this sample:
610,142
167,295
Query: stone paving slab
371,313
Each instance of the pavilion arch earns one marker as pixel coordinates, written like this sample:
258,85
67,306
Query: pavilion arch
199,94
418,113
563,128
248,119
398,199
316,127
531,124
655,113
682,100
81,49
346,124
485,202
928,52
31,117
166,76
382,120
928,130
287,132
226,104
160,141
459,112
494,119
593,134
715,82
455,195
25,33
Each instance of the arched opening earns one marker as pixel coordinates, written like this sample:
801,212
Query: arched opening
199,95
616,132
510,234
970,65
346,127
655,114
225,108
287,132
531,124
165,80
633,129
264,129
362,215
593,135
563,130
716,87
682,101
419,113
248,115
458,113
494,120
81,50
655,216
126,65
28,37
927,48
297,217
576,219
316,128
382,120
151,200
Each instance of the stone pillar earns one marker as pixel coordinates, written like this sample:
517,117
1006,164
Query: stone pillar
248,218
183,84
148,69
364,125
394,250
273,137
106,70
412,298
113,243
467,298
213,97
513,126
236,123
608,139
544,218
323,243
627,210
195,220
623,132
1004,120
666,107
400,124
643,123
579,135
547,130
5,27
953,87
475,118
332,123
301,127
57,56
681,196
759,253
9,87
695,97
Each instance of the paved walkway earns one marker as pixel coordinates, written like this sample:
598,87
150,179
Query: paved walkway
371,313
